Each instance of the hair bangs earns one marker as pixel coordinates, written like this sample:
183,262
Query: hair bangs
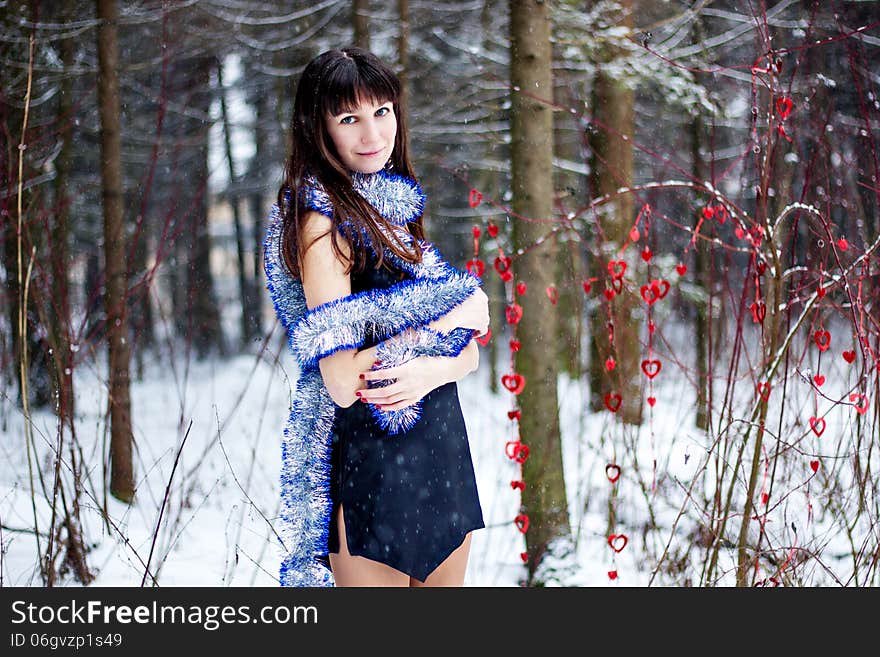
352,83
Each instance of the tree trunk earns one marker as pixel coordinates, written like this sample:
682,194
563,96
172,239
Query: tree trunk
403,55
543,499
245,289
121,475
361,23
204,330
611,167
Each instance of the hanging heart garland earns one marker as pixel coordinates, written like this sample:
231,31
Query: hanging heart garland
822,339
514,382
612,401
484,339
617,542
651,367
817,425
860,402
764,391
612,471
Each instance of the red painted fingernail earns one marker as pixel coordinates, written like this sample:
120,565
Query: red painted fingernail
363,400
362,376
357,392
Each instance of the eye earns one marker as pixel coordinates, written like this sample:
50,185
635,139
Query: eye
346,120
382,111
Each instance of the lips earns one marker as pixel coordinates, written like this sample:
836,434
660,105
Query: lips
370,154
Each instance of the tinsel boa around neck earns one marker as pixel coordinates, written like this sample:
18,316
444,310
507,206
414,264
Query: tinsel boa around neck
431,289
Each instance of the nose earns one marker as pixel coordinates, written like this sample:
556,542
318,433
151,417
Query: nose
370,133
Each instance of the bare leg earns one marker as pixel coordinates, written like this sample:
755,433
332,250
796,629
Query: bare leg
350,570
451,571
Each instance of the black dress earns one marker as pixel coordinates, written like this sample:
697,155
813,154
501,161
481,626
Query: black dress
409,499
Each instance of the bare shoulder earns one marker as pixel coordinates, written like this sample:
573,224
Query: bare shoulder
324,273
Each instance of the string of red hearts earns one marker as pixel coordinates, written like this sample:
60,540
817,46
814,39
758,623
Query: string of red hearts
514,382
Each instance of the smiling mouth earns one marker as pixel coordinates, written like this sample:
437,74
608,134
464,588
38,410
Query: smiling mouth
371,154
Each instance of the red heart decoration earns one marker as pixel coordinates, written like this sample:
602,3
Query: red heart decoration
765,498
739,232
516,451
764,391
522,522
477,232
650,293
502,264
609,293
552,294
821,291
609,364
652,400
524,556
681,268
484,339
721,213
822,339
514,313
612,471
476,265
474,198
759,311
646,254
612,574
514,382
662,287
493,229
506,276
615,398
521,485
617,539
521,288
817,425
616,268
515,345
708,212
651,368
514,414
587,287
862,408
634,234
848,356
761,267
783,106
842,244
814,465
617,284
819,379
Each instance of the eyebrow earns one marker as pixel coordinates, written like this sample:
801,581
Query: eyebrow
355,112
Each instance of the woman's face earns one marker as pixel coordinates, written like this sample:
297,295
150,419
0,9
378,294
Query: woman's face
364,138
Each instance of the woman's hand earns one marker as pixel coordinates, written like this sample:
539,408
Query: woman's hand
416,378
472,313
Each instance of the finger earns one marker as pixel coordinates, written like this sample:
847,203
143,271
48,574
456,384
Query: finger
396,406
381,395
379,375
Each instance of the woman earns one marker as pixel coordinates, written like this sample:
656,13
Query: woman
401,492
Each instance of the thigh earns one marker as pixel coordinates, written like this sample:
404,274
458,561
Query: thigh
351,570
451,571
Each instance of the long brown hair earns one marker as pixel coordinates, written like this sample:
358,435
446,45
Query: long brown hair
335,82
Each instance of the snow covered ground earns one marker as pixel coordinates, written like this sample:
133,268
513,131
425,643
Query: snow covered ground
216,529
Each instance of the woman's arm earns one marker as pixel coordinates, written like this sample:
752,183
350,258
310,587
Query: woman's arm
324,279
419,376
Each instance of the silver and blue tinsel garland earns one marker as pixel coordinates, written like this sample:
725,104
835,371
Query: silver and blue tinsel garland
432,289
